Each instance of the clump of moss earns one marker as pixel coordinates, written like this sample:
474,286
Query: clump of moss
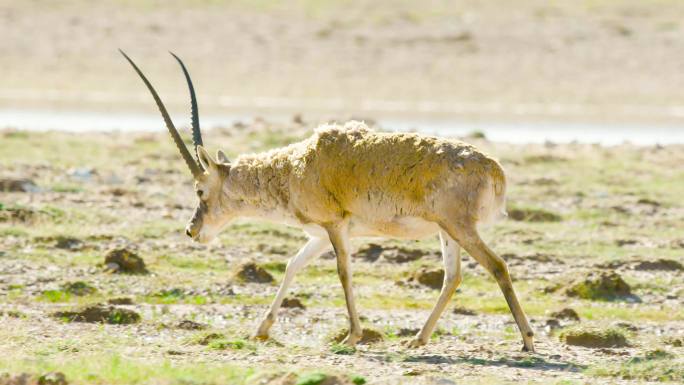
594,337
342,349
602,286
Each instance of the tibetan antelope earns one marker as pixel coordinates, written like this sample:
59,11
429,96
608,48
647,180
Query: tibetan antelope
349,181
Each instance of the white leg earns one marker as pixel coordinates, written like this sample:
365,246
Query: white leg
451,257
313,248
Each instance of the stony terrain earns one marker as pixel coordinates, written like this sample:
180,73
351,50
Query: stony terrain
98,284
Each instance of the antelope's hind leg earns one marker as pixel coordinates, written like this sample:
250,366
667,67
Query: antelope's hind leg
312,249
451,257
470,240
339,237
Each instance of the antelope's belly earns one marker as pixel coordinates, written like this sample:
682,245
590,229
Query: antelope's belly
397,227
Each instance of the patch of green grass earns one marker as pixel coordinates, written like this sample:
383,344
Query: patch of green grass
223,344
342,349
594,337
55,296
311,378
358,380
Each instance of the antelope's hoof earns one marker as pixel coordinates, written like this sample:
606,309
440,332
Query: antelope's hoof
351,340
260,336
415,343
529,349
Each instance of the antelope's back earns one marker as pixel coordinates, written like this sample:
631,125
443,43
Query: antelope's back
353,168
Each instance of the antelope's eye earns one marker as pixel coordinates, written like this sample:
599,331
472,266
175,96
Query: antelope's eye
200,193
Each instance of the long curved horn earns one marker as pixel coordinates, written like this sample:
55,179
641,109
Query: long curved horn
196,133
194,168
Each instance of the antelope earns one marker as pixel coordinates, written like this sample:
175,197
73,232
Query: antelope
349,181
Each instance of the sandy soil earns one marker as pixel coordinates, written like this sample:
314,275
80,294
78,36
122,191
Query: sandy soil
566,60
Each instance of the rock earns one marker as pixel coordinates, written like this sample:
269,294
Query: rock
251,272
601,285
293,303
78,288
120,301
52,378
430,278
463,311
370,336
594,338
626,325
100,314
125,260
566,313
17,185
187,324
660,264
533,215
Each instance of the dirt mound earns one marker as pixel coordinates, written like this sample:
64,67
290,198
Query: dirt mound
16,214
601,285
187,324
430,278
124,261
594,338
394,254
78,288
68,243
120,301
533,215
370,336
100,314
51,378
17,185
660,264
251,272
567,314
293,303
369,253
463,311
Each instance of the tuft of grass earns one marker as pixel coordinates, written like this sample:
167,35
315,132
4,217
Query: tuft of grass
358,380
342,349
594,337
223,344
311,378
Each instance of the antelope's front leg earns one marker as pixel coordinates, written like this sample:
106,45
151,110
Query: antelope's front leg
313,248
339,238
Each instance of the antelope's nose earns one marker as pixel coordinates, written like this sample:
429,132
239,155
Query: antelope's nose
188,232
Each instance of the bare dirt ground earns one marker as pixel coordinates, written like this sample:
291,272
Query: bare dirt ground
569,60
569,221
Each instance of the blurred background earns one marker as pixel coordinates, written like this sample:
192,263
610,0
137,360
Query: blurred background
594,71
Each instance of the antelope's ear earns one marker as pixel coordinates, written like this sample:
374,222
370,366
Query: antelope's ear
221,157
205,159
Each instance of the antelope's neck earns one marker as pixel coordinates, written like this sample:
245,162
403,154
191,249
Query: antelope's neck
260,183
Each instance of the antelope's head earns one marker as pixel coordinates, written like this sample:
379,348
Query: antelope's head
212,212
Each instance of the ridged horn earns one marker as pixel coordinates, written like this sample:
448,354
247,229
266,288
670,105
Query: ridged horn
196,133
194,168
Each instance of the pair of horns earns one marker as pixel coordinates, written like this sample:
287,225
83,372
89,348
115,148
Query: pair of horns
194,165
